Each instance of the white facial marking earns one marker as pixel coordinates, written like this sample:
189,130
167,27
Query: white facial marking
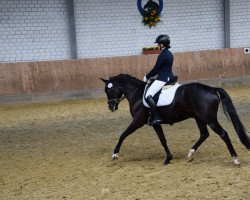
110,85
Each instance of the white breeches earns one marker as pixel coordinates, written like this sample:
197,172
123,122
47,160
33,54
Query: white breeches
155,87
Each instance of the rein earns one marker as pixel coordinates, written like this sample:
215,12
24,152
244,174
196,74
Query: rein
118,100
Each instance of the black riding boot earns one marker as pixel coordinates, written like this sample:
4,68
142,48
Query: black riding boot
154,115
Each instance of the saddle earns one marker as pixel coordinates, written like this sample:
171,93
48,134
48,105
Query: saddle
166,95
168,84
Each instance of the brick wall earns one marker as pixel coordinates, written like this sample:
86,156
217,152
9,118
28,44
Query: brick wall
240,23
33,30
193,24
114,28
108,28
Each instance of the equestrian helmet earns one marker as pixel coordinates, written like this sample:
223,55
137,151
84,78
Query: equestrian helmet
163,39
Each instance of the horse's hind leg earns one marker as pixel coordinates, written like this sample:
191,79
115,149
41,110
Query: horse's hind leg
216,127
203,136
159,131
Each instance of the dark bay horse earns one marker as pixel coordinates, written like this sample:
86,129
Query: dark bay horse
193,100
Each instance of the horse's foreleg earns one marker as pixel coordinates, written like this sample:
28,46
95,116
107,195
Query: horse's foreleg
203,136
132,128
160,133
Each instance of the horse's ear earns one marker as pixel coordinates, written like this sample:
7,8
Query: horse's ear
105,81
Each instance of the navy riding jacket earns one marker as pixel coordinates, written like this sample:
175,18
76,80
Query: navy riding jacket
163,66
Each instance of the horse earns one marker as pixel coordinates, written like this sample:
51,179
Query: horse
192,100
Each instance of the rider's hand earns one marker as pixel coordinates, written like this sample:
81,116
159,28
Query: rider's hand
145,79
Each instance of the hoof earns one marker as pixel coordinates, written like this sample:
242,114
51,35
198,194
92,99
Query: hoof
191,153
166,162
114,156
236,162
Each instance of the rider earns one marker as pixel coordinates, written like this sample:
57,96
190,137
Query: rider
163,70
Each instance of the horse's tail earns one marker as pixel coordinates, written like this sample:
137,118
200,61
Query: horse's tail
229,109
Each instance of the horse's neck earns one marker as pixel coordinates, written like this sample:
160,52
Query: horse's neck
132,93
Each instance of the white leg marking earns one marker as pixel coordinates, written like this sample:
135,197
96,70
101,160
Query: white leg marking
115,156
236,161
191,153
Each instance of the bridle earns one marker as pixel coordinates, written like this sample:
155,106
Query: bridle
117,100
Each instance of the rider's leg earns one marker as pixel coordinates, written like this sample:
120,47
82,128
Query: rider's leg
153,89
155,118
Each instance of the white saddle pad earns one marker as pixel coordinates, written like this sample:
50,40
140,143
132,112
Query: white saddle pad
166,97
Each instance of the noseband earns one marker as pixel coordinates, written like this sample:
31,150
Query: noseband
117,100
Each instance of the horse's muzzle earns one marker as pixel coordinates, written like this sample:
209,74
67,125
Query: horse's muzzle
113,106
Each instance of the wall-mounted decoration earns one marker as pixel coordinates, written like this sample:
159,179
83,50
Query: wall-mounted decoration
151,50
151,12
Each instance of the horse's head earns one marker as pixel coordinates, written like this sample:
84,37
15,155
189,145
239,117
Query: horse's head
114,94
